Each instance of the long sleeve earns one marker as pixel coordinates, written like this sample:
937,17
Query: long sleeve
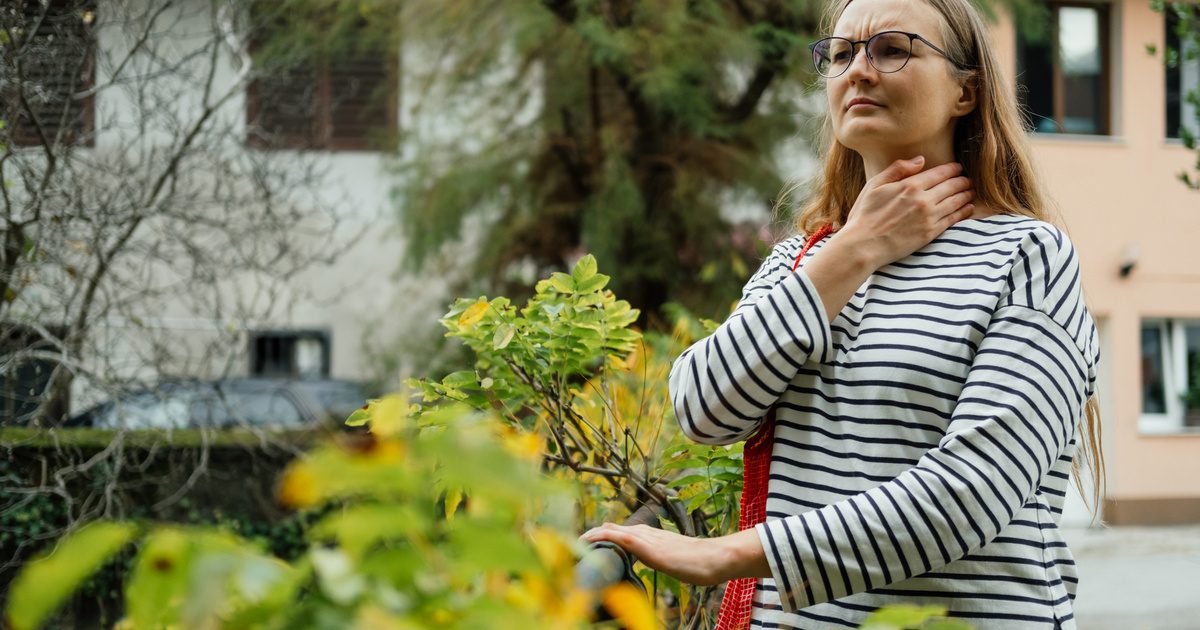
722,386
1014,418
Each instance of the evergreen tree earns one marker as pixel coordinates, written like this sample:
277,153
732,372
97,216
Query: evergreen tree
650,116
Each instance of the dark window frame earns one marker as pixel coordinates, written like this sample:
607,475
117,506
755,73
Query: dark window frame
31,375
256,360
1104,12
1174,105
323,132
80,131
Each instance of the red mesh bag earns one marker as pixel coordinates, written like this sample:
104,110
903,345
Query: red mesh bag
756,473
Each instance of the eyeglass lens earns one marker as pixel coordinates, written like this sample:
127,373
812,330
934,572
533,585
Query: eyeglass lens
888,52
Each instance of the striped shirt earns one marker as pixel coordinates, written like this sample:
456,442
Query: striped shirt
923,439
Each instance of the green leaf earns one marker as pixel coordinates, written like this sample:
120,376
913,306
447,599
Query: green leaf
358,528
484,546
901,616
461,378
687,480
160,579
46,582
562,283
592,284
503,336
584,269
690,462
697,501
358,418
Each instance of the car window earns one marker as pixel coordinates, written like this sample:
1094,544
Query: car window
269,407
147,411
339,399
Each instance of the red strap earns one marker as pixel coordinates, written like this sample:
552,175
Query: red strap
756,474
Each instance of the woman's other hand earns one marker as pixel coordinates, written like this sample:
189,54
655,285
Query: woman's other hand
699,561
903,208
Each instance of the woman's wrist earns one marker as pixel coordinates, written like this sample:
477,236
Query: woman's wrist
856,255
837,270
739,555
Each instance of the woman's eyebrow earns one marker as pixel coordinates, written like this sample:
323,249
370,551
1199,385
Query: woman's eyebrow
876,32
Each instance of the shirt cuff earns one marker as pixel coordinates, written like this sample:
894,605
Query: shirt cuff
789,578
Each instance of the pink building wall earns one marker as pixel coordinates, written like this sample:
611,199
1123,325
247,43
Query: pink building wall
1115,192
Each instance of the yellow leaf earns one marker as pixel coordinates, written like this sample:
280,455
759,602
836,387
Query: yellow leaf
552,549
298,489
630,607
388,415
45,583
525,445
473,314
375,617
453,498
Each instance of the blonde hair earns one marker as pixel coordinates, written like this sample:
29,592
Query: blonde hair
990,143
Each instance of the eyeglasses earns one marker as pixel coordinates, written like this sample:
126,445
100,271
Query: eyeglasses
888,51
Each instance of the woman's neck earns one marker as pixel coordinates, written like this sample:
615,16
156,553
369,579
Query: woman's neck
875,162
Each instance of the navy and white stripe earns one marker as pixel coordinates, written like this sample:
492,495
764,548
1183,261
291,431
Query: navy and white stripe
923,440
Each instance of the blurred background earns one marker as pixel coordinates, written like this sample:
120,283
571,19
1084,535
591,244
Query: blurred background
250,215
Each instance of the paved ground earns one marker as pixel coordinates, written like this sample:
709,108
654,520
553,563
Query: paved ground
1137,578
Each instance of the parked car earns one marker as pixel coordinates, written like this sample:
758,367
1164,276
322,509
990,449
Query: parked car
230,403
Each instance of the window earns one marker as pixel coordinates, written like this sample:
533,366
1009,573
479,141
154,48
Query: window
1064,78
1182,79
1170,368
54,70
24,380
345,101
298,354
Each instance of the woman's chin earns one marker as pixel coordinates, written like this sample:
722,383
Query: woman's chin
869,142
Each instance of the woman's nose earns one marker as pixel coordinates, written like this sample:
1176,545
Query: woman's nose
860,68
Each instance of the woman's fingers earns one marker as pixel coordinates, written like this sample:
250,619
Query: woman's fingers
948,187
954,216
927,180
954,202
626,537
896,171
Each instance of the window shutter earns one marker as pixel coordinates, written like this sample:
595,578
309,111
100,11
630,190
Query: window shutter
362,99
57,63
343,102
282,109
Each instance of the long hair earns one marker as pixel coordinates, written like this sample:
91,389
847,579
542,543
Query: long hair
991,144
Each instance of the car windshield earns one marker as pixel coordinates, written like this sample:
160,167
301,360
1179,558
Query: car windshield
147,410
337,398
247,407
202,405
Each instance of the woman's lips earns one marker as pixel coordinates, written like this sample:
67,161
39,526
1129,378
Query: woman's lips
861,105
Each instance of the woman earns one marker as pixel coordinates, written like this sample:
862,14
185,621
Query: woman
928,365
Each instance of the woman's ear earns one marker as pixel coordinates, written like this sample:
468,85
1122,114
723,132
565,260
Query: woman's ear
966,96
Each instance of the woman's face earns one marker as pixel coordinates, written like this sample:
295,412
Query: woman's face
917,104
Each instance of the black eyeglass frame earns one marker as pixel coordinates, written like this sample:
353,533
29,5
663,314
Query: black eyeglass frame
812,48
